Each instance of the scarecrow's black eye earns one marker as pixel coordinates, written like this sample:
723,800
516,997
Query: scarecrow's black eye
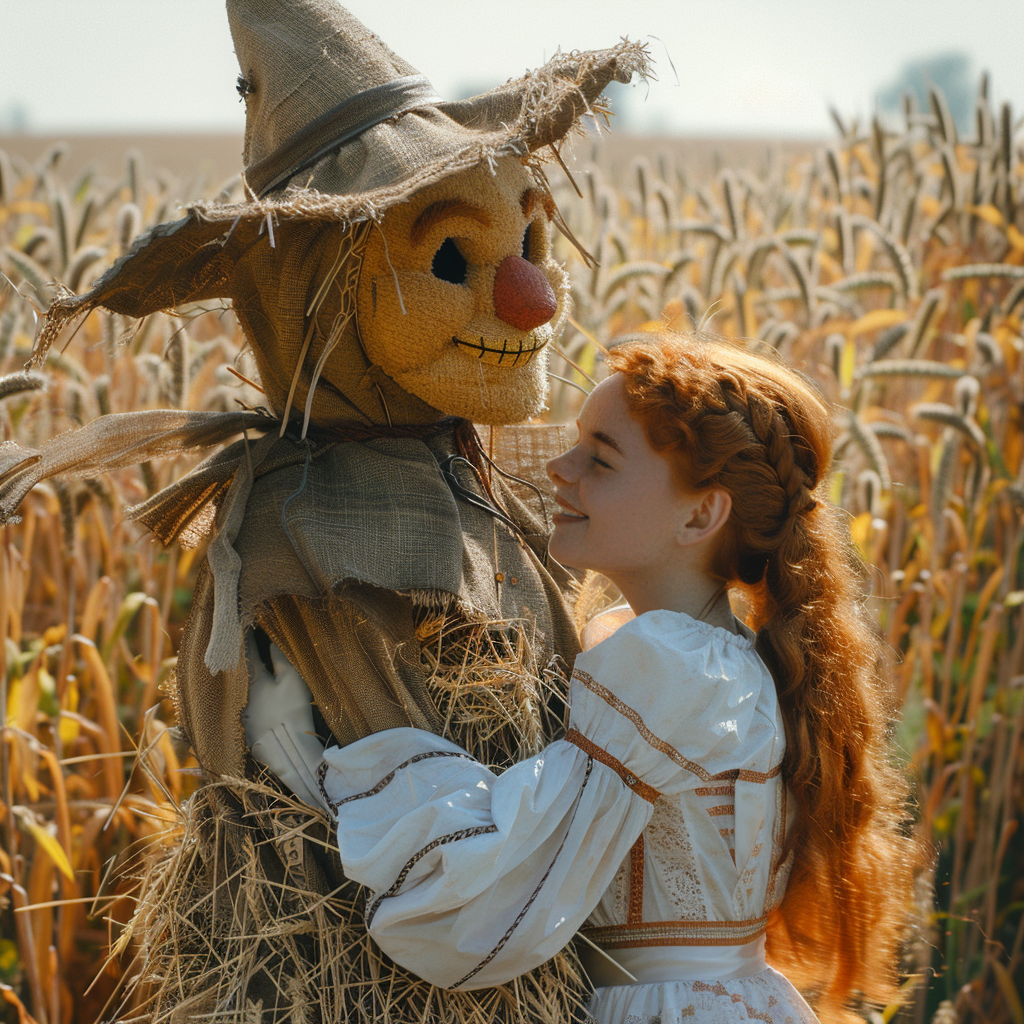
526,241
449,264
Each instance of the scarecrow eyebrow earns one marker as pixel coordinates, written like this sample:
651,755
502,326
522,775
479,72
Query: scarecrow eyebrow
443,209
531,197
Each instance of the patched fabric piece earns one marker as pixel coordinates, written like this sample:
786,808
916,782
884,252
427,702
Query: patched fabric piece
112,442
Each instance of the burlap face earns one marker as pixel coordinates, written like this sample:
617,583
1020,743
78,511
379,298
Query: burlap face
426,309
296,302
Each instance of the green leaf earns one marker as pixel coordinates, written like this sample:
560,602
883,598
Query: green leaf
129,607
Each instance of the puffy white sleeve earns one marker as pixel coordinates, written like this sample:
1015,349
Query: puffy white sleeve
476,878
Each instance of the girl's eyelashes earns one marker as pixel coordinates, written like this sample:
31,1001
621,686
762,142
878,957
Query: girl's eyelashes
600,462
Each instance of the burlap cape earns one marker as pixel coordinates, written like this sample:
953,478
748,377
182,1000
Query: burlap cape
342,549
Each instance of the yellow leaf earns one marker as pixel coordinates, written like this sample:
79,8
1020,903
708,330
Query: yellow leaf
49,844
54,635
47,684
987,213
935,727
848,363
836,496
860,531
185,562
875,320
68,727
906,990
1015,238
129,606
23,700
24,235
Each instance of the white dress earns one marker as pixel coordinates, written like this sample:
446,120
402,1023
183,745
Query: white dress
655,826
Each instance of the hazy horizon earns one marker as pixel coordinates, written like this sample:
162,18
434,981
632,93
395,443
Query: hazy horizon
732,68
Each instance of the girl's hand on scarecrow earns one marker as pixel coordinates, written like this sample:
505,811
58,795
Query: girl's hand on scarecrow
279,724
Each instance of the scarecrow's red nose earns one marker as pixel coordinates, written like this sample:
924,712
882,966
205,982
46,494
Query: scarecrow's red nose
522,296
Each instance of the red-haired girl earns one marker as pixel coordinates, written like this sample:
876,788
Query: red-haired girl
724,793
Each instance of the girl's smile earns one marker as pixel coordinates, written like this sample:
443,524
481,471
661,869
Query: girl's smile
568,515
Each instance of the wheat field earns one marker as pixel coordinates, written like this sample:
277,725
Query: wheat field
888,265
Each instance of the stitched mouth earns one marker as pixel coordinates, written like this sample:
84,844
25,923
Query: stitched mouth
515,351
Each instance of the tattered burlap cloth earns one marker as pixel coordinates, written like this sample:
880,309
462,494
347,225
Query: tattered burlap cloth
339,552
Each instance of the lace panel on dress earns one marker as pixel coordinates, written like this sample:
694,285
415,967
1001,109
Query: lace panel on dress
670,853
620,889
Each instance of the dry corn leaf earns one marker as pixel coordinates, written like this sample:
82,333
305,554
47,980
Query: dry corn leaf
876,320
45,841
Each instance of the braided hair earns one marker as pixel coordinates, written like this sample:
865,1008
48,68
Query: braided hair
731,419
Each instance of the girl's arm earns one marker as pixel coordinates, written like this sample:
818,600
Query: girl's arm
477,878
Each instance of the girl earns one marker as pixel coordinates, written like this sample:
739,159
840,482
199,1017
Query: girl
722,793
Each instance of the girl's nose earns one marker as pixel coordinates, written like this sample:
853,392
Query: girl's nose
559,468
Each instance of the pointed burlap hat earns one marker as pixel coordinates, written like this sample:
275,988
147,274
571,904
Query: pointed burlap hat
338,128
330,107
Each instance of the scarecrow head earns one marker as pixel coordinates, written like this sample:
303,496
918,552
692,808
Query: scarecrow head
392,263
458,294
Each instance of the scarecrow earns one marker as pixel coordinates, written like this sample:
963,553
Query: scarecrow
391,269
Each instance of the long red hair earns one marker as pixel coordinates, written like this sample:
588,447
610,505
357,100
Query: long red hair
728,418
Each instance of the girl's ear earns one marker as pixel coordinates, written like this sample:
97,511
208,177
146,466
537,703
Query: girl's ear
708,513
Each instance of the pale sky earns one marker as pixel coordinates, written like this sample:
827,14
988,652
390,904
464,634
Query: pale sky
759,67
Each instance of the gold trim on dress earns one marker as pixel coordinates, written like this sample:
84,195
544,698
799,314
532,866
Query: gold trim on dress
677,933
732,774
591,749
635,914
627,712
